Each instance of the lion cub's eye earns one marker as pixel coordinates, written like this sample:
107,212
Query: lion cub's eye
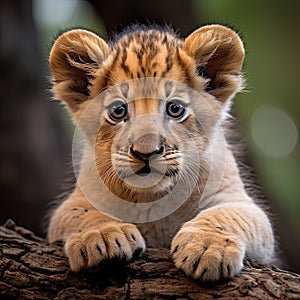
176,109
117,111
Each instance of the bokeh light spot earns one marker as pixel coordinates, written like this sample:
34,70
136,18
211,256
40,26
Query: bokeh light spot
273,131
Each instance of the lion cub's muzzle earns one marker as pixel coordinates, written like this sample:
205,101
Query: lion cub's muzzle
148,162
145,149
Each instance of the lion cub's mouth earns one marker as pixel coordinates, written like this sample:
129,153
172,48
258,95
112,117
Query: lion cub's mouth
155,173
146,170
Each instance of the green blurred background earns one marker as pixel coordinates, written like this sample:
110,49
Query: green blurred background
268,109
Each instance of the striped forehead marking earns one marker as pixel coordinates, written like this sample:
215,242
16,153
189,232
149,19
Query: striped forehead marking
146,106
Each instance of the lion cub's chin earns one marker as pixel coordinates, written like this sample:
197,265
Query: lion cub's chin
149,183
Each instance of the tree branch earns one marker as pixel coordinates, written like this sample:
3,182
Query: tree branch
30,268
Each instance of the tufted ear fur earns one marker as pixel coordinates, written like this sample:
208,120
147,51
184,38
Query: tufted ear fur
218,53
74,58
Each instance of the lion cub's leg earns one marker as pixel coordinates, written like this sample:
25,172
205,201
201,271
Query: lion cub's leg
90,236
214,244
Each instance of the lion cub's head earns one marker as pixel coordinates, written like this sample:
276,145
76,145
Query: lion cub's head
148,102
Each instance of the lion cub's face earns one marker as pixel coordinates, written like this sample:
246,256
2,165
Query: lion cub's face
148,102
151,135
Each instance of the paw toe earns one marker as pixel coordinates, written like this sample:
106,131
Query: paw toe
207,256
120,242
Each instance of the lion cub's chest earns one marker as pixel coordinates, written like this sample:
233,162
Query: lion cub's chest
160,233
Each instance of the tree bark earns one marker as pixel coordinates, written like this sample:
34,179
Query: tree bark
30,268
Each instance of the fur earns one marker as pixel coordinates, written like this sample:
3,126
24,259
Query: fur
211,232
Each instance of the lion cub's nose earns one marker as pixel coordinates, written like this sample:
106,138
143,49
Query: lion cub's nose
146,146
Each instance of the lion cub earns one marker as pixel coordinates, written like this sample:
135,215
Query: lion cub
156,167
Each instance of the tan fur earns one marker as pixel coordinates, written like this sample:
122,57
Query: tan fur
213,230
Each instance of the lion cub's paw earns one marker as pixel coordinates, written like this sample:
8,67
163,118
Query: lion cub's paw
206,255
111,241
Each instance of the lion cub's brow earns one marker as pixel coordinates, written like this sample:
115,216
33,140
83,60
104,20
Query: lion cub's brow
146,106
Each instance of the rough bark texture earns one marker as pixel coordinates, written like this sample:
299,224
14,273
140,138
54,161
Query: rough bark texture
30,268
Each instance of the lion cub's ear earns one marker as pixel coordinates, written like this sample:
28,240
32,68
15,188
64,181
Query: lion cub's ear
74,58
218,53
